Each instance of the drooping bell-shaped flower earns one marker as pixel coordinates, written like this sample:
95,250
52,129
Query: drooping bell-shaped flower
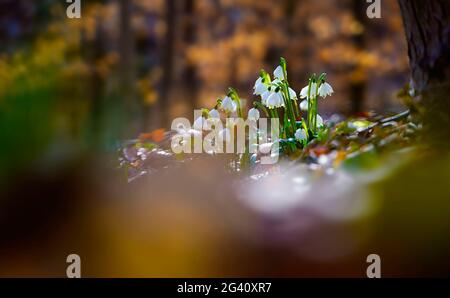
275,82
304,92
214,114
260,89
228,105
275,100
319,121
312,93
300,135
278,73
304,105
253,114
198,123
325,89
257,82
292,93
264,97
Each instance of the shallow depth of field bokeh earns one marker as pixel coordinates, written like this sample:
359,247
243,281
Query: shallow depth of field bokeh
73,90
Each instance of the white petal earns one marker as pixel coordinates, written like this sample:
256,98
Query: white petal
275,82
329,88
228,105
264,97
300,134
198,123
278,73
258,81
304,105
319,121
325,89
304,92
265,148
280,99
275,100
214,114
292,93
260,89
253,114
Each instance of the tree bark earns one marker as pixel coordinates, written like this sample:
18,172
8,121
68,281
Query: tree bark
358,87
161,117
190,72
427,28
127,74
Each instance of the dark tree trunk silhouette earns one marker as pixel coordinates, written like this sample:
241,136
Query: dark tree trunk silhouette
358,87
92,52
427,28
190,72
161,115
127,68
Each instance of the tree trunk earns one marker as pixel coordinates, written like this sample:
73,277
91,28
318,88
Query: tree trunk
427,28
127,67
161,116
92,52
190,72
358,87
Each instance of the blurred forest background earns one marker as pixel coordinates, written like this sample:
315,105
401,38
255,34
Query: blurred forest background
73,89
127,67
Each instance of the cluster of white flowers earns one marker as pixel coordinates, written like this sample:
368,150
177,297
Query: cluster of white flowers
324,90
253,114
271,95
275,94
228,105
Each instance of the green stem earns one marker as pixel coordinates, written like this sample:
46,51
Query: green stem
296,110
310,112
233,94
260,106
272,115
289,109
275,112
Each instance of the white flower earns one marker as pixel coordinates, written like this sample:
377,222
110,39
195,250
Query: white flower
264,97
275,100
260,88
253,114
304,105
278,73
265,148
325,89
304,91
300,134
292,93
214,114
228,105
275,82
319,121
257,82
198,123
225,135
